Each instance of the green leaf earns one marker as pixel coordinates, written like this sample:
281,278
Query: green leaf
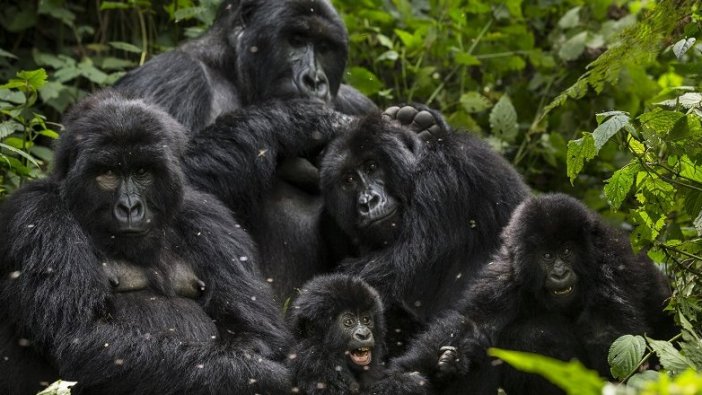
9,127
466,59
125,46
609,128
408,39
89,71
43,153
570,19
625,354
683,46
363,80
6,54
59,388
571,376
573,47
579,151
114,5
188,13
619,185
697,223
670,358
660,122
474,102
20,153
503,119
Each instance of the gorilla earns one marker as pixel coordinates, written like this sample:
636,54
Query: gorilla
339,327
116,274
566,285
256,50
423,206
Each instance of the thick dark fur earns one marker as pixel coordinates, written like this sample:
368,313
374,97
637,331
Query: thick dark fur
56,292
455,194
318,362
236,159
243,59
617,292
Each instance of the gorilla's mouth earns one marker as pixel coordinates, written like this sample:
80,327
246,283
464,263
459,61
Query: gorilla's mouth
361,356
379,217
563,291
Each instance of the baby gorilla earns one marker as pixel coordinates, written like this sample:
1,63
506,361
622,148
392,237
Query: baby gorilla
338,322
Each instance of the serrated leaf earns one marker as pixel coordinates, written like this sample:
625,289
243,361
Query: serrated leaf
9,127
660,122
579,152
687,101
619,185
570,19
670,358
609,128
683,46
474,102
641,380
503,119
125,46
624,355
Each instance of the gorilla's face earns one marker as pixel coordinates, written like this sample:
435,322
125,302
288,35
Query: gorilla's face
557,265
122,181
357,330
290,49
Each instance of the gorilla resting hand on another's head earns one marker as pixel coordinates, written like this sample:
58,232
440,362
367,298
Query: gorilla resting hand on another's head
566,285
123,278
424,210
256,50
339,325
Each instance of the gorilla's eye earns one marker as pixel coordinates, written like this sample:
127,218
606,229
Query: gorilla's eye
107,180
366,320
349,179
566,251
141,171
297,40
371,166
348,322
548,256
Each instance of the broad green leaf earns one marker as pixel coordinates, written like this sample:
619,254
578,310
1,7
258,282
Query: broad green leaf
111,63
89,71
570,19
125,46
670,357
363,80
659,122
12,96
641,380
35,78
474,102
503,119
625,354
619,185
571,376
466,59
579,152
573,47
682,46
43,153
59,388
6,54
20,153
188,13
408,39
9,127
687,100
609,128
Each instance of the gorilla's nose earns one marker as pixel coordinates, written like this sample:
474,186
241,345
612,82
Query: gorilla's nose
367,202
362,334
314,84
129,210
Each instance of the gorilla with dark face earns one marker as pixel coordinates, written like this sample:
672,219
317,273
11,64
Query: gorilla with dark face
423,206
116,274
256,50
566,285
339,326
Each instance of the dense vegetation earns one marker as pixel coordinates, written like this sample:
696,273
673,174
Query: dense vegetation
599,99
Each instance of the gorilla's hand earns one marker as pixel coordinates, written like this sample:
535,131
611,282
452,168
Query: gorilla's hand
448,357
428,124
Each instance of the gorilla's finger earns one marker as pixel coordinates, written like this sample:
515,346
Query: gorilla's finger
406,115
426,136
391,112
424,119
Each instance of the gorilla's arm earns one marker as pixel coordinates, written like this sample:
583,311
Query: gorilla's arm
52,279
240,303
352,102
317,370
236,157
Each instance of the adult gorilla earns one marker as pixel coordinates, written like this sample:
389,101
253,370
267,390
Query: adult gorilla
425,210
126,280
256,51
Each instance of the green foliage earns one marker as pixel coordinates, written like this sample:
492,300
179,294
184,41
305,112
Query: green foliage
21,156
59,388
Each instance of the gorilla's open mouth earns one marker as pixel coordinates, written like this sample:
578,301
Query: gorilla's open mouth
563,291
361,356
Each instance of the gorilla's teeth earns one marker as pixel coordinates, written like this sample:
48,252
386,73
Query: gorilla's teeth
563,291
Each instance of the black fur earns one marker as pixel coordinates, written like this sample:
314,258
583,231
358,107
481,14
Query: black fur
454,195
244,59
319,361
617,292
59,254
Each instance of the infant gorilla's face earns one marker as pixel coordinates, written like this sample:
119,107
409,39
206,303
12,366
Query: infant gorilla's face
357,330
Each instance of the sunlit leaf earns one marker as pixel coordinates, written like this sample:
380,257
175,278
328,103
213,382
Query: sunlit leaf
624,355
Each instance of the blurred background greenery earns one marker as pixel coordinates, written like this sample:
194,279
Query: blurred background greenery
599,99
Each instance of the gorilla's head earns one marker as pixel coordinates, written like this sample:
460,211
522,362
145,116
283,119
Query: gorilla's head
367,179
345,315
118,165
284,48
